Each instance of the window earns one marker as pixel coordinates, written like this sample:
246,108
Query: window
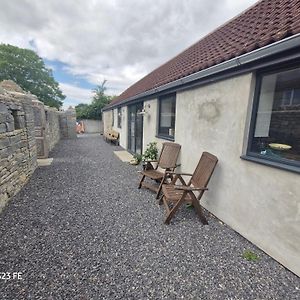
167,108
119,117
113,118
275,127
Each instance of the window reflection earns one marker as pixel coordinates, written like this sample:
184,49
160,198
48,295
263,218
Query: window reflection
277,128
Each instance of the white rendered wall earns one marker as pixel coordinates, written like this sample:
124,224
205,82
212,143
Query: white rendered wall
260,202
150,124
107,120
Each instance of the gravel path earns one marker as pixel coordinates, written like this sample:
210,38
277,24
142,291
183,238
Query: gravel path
81,229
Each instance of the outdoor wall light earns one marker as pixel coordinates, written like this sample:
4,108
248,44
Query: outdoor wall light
144,111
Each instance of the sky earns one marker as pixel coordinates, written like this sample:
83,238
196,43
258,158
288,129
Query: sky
87,41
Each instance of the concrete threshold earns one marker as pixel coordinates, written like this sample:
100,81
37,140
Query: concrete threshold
43,162
124,156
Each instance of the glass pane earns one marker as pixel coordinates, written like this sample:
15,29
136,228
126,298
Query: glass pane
139,131
296,97
131,129
135,129
167,116
277,128
119,117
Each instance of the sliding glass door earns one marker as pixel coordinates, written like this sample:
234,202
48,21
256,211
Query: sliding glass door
135,128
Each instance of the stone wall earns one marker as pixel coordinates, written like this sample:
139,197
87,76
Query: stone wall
52,126
67,124
18,158
28,130
40,129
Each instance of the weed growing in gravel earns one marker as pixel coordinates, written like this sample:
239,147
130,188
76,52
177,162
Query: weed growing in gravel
189,206
251,256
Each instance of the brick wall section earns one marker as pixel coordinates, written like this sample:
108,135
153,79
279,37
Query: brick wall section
18,131
18,158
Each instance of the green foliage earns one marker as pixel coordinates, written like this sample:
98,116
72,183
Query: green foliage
94,110
189,206
137,158
28,70
83,111
251,256
151,152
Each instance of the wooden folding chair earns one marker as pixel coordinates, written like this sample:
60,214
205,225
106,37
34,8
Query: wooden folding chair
166,162
173,195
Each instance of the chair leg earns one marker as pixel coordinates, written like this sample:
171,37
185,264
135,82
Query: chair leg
172,212
159,188
199,210
160,202
163,181
141,182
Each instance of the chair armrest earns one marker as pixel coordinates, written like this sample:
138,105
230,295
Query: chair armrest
172,168
189,188
176,173
176,176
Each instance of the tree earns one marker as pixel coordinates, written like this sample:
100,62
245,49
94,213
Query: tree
82,111
94,110
28,70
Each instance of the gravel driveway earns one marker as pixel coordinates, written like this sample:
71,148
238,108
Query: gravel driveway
81,229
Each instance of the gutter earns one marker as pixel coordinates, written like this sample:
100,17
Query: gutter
244,59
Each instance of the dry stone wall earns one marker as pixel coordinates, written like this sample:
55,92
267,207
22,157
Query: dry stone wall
28,129
18,158
67,123
52,126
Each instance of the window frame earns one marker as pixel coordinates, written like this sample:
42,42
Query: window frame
249,155
159,134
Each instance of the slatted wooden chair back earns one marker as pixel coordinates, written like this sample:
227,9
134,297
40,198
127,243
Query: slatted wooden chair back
204,170
169,155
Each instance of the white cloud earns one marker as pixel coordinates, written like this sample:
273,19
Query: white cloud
119,41
75,94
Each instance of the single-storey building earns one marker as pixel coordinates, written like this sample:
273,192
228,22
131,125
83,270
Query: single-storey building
236,94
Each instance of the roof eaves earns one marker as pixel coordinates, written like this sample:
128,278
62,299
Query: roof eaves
257,54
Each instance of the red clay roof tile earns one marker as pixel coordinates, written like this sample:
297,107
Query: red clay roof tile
264,23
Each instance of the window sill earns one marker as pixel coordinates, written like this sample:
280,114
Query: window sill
165,137
271,163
